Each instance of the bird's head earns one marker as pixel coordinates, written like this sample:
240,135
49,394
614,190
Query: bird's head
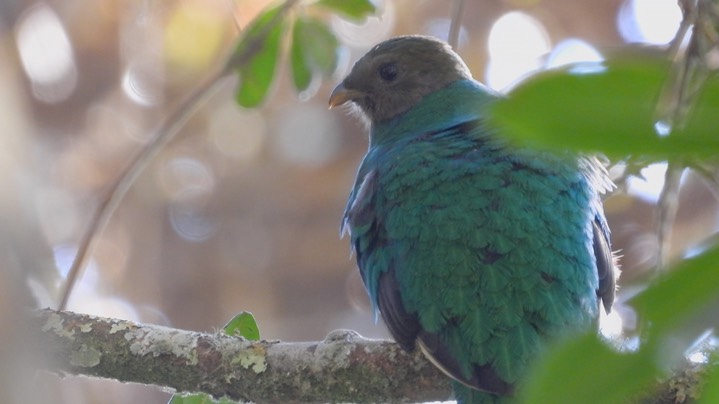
396,74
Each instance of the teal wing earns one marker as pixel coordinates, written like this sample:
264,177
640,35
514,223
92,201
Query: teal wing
478,254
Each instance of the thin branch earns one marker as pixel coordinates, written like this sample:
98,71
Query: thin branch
691,52
667,207
237,60
343,368
456,24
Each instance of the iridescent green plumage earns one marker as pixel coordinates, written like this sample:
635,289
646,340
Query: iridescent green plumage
476,250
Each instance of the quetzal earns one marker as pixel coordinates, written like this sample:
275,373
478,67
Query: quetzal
474,249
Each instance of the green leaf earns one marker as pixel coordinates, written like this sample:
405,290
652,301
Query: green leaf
354,9
257,73
301,73
584,370
243,325
710,392
320,44
314,49
608,107
197,399
680,293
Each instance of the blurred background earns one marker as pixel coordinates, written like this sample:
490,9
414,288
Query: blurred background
242,210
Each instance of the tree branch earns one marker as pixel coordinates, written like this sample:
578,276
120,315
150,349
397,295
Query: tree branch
345,367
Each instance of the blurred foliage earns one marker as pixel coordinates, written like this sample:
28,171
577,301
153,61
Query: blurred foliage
710,393
257,73
313,49
609,107
588,370
355,9
198,399
679,294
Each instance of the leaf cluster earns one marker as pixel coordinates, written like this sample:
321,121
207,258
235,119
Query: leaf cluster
313,47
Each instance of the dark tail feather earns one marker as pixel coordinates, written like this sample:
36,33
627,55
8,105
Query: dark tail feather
467,395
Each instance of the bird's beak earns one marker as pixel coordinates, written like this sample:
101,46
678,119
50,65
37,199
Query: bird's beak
341,95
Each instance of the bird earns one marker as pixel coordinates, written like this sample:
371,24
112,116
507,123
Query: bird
475,249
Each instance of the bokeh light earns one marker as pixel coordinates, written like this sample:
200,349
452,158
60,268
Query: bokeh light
58,213
649,21
46,54
186,179
190,222
194,33
611,325
188,184
517,42
237,133
308,135
142,82
368,33
649,185
572,50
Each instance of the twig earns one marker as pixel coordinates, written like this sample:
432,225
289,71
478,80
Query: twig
456,24
667,207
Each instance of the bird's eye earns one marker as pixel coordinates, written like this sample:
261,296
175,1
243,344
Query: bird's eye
388,71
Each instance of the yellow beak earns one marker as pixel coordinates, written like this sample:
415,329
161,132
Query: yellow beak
341,95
